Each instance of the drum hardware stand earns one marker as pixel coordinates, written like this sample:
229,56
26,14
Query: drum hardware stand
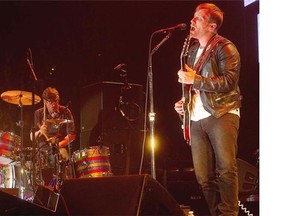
62,167
21,125
37,174
40,165
58,167
22,187
69,165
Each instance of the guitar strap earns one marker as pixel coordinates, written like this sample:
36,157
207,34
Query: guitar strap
202,59
207,50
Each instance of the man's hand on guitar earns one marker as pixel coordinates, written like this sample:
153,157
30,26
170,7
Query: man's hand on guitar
186,76
179,107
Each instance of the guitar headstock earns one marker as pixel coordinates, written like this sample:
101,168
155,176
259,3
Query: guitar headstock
184,51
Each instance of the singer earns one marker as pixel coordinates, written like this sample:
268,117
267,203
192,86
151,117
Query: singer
211,70
55,129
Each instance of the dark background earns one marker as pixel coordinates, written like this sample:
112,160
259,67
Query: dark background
84,41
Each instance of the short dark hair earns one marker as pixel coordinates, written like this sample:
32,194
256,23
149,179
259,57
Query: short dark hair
50,94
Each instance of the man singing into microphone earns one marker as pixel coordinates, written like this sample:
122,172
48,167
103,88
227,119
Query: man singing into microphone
213,69
55,129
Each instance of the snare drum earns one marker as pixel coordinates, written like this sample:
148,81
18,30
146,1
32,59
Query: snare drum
9,145
92,162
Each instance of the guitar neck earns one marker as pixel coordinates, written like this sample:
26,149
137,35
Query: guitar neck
186,93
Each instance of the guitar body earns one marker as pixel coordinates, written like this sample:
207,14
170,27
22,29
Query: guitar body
186,94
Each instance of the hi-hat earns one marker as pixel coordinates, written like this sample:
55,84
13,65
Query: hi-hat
19,97
58,121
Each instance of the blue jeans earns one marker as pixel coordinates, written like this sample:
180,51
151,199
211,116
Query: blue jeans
214,150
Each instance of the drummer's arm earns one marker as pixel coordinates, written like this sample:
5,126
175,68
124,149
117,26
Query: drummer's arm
37,134
69,138
42,131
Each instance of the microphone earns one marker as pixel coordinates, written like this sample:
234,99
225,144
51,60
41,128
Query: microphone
29,57
30,63
180,27
120,67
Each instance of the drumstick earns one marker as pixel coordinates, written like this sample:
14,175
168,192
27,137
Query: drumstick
44,134
44,117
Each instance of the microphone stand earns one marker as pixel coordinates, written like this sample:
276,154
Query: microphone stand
152,114
30,64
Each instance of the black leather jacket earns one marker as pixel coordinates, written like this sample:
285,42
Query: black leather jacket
218,79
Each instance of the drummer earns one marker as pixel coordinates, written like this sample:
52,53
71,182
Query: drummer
55,127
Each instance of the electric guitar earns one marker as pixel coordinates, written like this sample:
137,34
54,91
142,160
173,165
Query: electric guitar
186,93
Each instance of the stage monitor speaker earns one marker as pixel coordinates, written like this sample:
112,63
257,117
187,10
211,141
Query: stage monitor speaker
118,195
13,205
248,177
46,197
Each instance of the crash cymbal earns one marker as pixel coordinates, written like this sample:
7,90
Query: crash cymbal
19,97
58,121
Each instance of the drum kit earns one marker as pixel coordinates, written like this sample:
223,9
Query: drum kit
21,168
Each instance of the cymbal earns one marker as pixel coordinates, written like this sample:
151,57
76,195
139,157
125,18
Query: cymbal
19,97
58,121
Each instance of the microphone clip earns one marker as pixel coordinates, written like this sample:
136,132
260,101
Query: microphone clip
120,68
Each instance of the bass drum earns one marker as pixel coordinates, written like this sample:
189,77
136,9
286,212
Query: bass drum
92,162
